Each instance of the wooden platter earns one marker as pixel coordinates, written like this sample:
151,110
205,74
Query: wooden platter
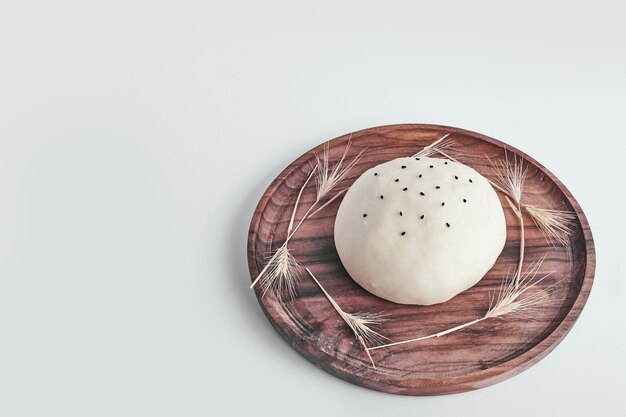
474,357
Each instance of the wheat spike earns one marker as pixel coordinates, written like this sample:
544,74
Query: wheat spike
509,298
328,177
510,176
555,225
437,146
282,273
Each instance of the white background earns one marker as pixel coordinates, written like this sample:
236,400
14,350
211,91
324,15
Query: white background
136,138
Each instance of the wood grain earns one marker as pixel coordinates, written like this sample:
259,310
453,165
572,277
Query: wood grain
472,358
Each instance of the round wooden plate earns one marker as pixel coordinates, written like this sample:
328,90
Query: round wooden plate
471,358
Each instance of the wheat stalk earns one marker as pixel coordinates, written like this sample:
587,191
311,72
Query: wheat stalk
281,271
360,323
508,300
330,200
295,206
510,179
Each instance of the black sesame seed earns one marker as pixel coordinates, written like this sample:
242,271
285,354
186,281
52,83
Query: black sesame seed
456,178
448,224
432,166
400,213
437,187
421,193
471,180
443,204
404,189
445,163
422,216
381,197
397,180
403,233
420,176
365,215
417,159
403,166
375,174
464,200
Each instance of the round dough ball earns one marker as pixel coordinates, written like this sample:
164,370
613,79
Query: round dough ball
419,230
